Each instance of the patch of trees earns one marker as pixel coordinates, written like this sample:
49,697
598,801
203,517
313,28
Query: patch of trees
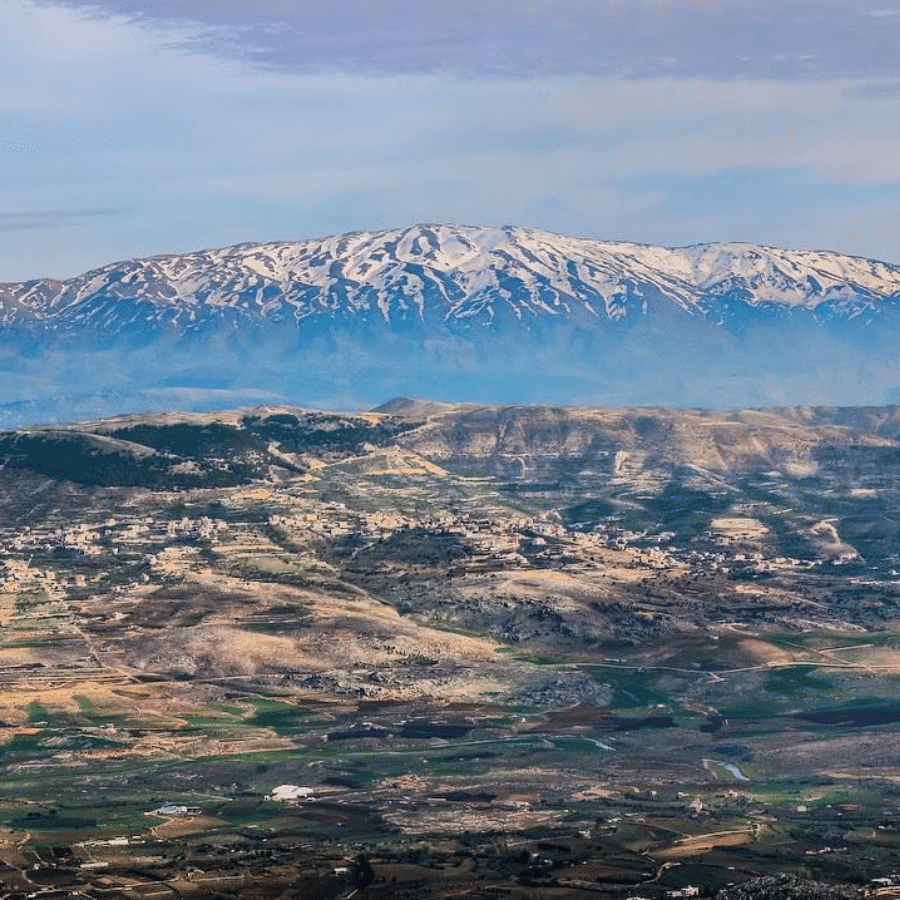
82,459
312,431
787,887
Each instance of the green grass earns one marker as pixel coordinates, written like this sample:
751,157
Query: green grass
228,708
21,744
791,791
76,818
452,629
275,628
536,660
788,679
243,812
631,690
37,712
282,717
50,821
718,770
210,724
825,639
575,745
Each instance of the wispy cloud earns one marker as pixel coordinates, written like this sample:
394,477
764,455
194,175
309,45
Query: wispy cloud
666,121
722,39
874,90
23,221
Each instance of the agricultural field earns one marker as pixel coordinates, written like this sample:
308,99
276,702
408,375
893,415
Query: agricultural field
562,658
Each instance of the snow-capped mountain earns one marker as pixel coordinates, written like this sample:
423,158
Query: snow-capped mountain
450,275
457,312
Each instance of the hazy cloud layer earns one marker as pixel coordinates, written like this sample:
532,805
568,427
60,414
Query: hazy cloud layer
213,122
19,221
719,39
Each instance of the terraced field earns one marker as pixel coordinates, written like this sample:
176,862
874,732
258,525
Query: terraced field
548,670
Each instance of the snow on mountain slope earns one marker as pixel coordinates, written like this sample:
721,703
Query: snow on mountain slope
502,315
450,276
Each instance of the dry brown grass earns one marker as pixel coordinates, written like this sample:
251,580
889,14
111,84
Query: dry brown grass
178,826
702,843
764,653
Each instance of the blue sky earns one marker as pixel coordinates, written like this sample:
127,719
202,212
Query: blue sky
129,129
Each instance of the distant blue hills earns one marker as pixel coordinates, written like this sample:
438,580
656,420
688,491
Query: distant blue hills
457,313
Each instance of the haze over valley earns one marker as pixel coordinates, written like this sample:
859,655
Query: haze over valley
507,315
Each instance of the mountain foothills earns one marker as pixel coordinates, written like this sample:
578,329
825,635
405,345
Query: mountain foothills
487,314
438,650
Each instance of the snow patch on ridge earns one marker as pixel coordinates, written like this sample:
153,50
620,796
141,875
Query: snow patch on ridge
453,273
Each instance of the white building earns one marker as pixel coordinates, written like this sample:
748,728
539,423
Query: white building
287,792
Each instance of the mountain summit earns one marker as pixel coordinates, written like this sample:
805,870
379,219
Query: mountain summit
452,275
500,314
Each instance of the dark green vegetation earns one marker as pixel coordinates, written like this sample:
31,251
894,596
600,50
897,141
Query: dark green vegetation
521,652
185,455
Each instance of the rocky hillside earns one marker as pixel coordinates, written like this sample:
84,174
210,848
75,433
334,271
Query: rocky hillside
459,277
